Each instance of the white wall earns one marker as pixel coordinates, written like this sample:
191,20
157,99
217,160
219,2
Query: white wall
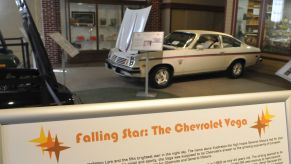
198,2
228,16
10,20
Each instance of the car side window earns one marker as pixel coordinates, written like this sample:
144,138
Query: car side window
229,42
208,41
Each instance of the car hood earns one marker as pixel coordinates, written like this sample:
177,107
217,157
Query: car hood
41,57
133,21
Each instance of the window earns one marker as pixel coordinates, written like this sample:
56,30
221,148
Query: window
179,39
96,26
230,42
83,26
209,41
108,25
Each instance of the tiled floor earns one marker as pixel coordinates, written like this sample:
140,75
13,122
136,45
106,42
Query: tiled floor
97,84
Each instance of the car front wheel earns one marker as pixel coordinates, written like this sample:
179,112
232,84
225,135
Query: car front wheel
236,69
160,77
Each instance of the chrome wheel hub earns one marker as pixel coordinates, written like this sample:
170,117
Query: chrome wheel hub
237,69
162,76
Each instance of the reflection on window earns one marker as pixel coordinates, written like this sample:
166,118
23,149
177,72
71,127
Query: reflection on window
179,39
277,11
277,35
229,42
248,17
208,41
83,26
108,25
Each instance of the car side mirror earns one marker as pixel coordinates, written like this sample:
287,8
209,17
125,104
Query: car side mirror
200,47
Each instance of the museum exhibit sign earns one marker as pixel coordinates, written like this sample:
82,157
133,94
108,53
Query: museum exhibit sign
242,128
285,71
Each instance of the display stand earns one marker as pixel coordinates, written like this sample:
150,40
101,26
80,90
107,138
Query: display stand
146,93
64,65
68,49
147,41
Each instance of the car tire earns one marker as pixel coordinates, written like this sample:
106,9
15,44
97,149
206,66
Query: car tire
160,77
236,69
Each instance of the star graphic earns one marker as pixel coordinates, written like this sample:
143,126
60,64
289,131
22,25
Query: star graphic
268,115
57,148
41,139
259,126
48,144
265,121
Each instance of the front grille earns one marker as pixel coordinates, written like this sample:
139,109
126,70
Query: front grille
113,58
121,61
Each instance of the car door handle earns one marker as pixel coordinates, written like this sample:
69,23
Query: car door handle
221,53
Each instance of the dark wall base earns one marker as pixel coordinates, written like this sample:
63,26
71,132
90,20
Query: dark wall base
89,57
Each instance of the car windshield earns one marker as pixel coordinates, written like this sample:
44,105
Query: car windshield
179,39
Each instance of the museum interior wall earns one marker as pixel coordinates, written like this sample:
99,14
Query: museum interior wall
187,14
196,20
228,16
168,15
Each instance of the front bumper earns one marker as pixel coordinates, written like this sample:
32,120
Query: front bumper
123,70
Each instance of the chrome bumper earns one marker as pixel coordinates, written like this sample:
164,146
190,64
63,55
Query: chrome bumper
122,70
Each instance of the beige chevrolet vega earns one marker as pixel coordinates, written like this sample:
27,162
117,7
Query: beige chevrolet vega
187,52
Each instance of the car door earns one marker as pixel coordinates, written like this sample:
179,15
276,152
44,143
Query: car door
206,55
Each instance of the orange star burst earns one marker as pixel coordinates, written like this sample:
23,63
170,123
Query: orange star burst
57,148
259,126
263,121
49,144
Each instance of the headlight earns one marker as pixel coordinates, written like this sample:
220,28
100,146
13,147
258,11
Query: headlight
16,61
131,61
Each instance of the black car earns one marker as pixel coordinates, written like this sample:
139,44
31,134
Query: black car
7,58
32,87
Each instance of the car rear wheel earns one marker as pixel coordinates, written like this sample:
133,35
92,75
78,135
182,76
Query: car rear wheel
160,77
236,69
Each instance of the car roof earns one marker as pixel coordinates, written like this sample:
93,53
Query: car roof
200,32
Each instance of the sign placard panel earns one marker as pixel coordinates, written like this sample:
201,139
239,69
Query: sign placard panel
234,134
147,41
285,71
64,44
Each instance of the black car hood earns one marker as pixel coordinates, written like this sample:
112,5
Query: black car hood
42,61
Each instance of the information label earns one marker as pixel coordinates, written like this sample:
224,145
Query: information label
231,135
285,71
64,44
148,41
